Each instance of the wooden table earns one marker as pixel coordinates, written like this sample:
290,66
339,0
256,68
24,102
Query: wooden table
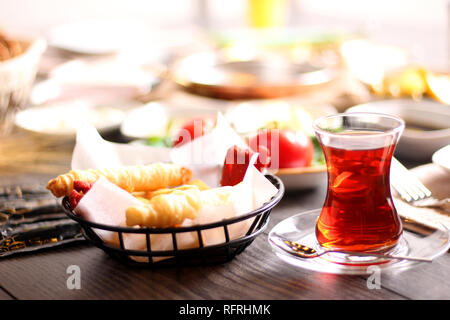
255,274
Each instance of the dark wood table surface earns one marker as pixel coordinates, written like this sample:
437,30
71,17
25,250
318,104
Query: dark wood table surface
255,274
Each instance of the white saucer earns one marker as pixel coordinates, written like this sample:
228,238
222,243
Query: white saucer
300,228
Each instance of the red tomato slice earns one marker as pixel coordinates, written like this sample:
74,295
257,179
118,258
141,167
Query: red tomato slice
293,148
192,129
237,161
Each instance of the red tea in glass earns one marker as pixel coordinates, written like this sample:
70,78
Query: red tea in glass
358,213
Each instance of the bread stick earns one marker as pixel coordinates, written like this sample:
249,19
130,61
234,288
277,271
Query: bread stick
132,178
166,209
169,209
150,194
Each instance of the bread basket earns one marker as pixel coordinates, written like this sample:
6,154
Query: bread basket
201,255
17,76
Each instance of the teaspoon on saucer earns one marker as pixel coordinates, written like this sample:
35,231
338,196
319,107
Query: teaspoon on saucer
305,252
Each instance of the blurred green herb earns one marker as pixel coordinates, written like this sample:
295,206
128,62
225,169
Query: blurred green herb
156,141
319,158
161,141
169,126
335,130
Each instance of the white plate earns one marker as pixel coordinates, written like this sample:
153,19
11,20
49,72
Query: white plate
442,157
249,116
415,144
303,178
65,119
153,119
94,36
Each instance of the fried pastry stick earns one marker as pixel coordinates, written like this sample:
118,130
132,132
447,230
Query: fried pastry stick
147,196
131,178
172,207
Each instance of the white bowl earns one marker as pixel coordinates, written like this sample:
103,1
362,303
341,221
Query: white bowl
415,144
442,157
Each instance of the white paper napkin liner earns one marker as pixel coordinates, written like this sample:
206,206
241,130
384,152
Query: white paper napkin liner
105,203
93,152
206,154
209,149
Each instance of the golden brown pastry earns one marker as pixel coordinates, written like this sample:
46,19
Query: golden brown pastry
166,209
132,178
172,207
150,194
200,184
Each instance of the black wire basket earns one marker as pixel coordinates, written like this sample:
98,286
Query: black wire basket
198,255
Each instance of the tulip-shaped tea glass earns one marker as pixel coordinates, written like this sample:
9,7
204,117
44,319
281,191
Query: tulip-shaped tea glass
358,213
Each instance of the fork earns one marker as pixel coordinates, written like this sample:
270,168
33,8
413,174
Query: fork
412,190
407,185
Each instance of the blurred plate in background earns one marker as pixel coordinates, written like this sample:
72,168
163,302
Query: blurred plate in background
65,118
227,76
157,119
427,125
303,178
294,114
96,37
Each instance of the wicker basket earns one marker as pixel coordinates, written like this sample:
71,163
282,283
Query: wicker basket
17,76
257,220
